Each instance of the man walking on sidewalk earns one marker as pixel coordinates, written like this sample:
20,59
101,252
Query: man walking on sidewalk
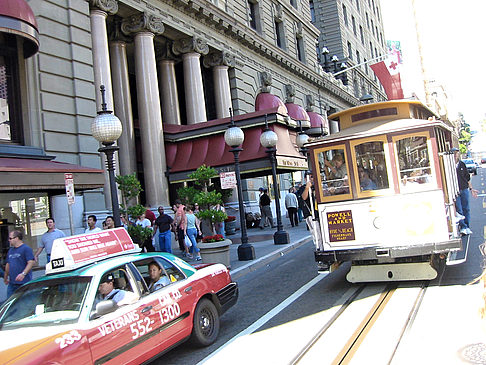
20,259
48,239
265,209
291,204
163,224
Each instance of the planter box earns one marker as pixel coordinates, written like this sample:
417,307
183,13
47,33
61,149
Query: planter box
230,228
216,252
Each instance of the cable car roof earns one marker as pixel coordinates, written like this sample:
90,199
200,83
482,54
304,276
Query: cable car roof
379,128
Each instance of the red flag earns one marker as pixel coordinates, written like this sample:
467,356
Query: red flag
389,76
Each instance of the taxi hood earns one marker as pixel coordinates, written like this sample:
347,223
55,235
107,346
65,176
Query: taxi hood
12,352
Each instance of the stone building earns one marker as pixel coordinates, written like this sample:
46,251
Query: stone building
172,70
351,33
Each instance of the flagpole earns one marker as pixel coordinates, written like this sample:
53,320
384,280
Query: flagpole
359,64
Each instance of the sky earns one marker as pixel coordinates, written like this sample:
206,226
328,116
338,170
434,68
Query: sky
454,55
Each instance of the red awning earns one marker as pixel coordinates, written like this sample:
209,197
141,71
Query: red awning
42,174
16,17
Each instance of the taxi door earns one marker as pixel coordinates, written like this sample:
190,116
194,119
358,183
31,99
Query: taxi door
131,333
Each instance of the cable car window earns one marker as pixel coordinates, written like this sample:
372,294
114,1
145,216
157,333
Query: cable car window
371,164
413,161
334,172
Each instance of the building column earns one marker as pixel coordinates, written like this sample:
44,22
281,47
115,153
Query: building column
101,64
168,86
123,107
191,50
145,27
220,63
101,58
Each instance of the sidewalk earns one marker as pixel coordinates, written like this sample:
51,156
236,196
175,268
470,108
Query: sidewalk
265,250
261,239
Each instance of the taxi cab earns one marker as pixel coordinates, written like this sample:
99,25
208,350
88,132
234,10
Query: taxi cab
62,317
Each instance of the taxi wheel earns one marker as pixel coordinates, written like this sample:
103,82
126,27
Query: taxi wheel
205,324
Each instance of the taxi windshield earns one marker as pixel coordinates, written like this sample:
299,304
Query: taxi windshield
42,303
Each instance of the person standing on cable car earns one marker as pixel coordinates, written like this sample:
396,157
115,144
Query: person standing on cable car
465,186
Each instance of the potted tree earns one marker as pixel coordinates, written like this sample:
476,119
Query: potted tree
130,189
214,248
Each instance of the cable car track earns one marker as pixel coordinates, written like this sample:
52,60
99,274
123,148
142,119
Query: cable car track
356,337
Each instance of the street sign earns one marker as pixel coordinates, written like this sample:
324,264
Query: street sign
69,182
228,180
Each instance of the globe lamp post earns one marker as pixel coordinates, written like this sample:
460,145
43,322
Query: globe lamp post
234,138
269,140
107,128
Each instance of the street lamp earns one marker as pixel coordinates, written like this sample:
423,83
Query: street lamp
344,74
335,60
324,53
234,137
107,128
269,140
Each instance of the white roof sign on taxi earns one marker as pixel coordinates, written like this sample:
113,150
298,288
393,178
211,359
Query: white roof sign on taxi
71,252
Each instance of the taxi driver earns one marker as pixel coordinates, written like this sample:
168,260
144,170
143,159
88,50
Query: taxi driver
107,291
156,281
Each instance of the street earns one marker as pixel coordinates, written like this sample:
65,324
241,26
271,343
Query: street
438,320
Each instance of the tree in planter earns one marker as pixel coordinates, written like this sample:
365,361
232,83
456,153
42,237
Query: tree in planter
130,189
206,199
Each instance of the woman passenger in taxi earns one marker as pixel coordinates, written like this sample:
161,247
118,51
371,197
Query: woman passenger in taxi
157,281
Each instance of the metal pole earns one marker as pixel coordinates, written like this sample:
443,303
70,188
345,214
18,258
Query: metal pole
246,251
109,149
281,236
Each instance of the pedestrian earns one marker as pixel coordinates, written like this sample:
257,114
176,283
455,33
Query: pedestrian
48,239
163,224
291,204
298,192
465,187
20,260
109,222
193,228
181,224
310,213
150,215
92,225
145,223
219,226
265,209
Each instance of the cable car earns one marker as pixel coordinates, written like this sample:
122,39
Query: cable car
384,190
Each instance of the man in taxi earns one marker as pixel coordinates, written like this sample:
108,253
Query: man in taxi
157,281
107,290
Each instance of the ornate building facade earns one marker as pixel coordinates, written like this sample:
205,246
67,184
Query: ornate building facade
172,70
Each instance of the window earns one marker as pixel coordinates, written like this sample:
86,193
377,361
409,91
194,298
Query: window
358,58
415,170
300,48
10,113
312,11
46,303
371,166
279,34
367,21
350,51
333,172
293,3
253,14
372,27
357,4
361,34
168,273
345,15
354,25
365,65
371,50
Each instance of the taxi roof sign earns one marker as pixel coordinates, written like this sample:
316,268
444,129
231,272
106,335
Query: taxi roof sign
69,253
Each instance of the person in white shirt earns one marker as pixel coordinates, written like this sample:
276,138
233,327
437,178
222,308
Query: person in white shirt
92,225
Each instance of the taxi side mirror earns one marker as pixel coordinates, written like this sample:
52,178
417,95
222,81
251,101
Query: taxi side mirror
104,307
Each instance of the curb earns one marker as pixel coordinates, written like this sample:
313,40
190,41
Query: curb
258,263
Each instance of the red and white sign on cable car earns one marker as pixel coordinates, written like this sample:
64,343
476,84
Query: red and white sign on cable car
69,182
